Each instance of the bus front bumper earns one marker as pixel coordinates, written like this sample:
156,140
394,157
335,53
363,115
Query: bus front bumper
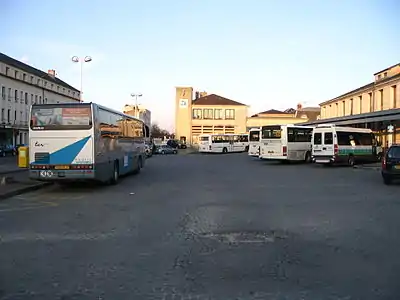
61,175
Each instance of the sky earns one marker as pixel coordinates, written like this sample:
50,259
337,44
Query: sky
267,54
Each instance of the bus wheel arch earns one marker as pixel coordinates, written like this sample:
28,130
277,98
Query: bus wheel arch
246,149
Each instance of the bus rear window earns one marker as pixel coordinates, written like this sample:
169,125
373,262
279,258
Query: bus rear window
254,136
48,117
271,132
204,139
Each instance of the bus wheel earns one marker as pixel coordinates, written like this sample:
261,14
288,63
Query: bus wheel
307,159
246,149
139,166
115,176
351,161
224,150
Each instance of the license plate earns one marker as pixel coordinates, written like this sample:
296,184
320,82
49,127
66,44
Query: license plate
270,152
397,167
61,167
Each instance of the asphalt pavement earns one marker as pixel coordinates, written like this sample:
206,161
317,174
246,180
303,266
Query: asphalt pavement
206,227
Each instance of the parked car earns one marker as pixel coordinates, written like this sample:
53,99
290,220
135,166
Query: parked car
391,164
7,150
176,144
148,150
166,149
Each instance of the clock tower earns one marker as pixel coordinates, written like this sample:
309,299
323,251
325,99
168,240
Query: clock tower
183,113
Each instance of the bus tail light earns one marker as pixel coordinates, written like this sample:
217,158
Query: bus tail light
335,149
284,150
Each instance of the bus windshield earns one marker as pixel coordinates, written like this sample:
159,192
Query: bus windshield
204,138
61,117
254,136
271,132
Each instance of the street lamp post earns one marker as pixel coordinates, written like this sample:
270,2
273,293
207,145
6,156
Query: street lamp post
81,60
136,96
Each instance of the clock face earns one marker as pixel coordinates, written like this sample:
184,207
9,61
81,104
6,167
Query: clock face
183,103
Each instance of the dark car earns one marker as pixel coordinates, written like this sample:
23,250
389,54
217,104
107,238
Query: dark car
391,164
176,144
7,150
166,149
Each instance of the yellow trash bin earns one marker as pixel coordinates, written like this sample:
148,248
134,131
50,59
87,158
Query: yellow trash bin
23,157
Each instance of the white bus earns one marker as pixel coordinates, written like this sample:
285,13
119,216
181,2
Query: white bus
223,143
286,143
254,142
84,141
344,145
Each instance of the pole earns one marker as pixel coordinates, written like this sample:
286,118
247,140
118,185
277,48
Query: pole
81,80
136,106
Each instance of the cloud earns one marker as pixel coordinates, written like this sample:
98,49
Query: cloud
24,59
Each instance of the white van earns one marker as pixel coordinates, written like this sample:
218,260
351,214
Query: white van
333,144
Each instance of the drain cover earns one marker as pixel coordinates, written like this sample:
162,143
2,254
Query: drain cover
243,237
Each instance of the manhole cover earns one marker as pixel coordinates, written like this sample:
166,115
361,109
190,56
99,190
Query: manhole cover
243,237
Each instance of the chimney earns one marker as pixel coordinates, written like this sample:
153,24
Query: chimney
299,106
52,73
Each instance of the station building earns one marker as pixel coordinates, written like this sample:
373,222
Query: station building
375,105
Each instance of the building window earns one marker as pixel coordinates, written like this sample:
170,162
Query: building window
351,106
360,103
337,109
7,71
344,107
207,113
16,74
38,82
52,85
218,114
9,94
8,115
2,115
45,83
24,77
26,98
385,75
36,99
371,102
3,93
16,95
229,114
394,96
40,99
197,113
58,89
381,99
31,99
31,79
22,96
15,116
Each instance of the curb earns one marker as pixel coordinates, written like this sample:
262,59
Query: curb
23,190
13,171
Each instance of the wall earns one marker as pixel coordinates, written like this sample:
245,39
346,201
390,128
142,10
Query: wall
380,96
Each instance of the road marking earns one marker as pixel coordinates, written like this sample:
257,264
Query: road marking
44,205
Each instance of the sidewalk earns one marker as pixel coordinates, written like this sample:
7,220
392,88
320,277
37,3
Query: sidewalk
372,166
16,183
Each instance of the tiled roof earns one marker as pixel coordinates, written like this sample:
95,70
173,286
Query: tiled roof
272,112
28,69
214,99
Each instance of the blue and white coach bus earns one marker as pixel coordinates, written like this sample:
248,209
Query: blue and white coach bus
84,141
